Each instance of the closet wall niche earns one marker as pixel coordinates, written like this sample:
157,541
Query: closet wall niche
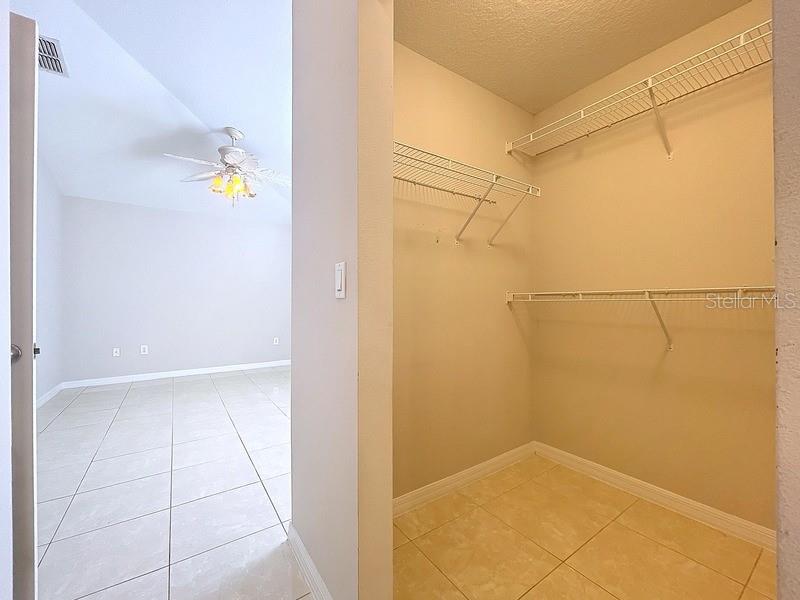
677,200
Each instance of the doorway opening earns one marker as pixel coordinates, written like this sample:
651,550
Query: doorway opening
163,262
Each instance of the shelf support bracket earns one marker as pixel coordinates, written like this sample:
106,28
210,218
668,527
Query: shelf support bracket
660,320
508,217
662,130
471,216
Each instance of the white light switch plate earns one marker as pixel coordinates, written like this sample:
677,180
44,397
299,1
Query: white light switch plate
340,280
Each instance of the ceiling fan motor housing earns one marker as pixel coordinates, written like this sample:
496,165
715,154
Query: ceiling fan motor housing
231,155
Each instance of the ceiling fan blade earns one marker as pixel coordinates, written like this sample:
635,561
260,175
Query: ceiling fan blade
202,176
272,176
249,164
199,161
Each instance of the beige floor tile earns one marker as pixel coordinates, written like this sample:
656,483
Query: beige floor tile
633,567
548,518
399,537
493,485
534,465
708,546
433,514
485,558
751,594
592,494
566,583
416,578
763,579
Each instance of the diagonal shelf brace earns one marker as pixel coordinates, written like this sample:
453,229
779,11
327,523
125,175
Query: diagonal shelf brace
662,130
480,201
660,320
508,216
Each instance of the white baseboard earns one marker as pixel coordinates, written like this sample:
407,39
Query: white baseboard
319,590
730,524
40,401
440,488
157,375
179,373
727,523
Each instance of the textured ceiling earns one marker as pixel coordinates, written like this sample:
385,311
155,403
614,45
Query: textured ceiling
536,52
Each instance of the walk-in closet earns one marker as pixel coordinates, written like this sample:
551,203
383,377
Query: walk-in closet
584,356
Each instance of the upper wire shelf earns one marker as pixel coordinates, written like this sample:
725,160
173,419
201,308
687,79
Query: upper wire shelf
420,167
732,57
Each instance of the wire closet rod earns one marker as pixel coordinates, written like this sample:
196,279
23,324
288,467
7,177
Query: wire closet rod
653,296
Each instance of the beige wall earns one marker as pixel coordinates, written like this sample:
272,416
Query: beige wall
341,506
787,219
698,421
461,377
473,379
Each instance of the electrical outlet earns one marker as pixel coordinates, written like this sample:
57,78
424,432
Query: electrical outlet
144,349
276,341
115,352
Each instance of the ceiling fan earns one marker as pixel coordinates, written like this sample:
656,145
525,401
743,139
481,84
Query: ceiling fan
236,173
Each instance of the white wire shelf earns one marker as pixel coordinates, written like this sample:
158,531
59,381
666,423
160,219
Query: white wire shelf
422,168
746,51
725,297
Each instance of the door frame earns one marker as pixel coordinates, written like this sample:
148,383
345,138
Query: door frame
24,82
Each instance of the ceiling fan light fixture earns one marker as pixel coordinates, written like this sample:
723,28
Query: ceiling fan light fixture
217,185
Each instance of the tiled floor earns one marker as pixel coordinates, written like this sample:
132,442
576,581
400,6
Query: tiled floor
174,488
540,531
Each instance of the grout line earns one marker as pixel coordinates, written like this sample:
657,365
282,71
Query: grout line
473,508
247,451
55,531
46,546
171,473
225,491
599,531
470,500
154,512
686,555
97,460
71,427
587,542
570,567
110,485
435,566
59,412
218,546
459,489
96,529
275,404
752,572
121,582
